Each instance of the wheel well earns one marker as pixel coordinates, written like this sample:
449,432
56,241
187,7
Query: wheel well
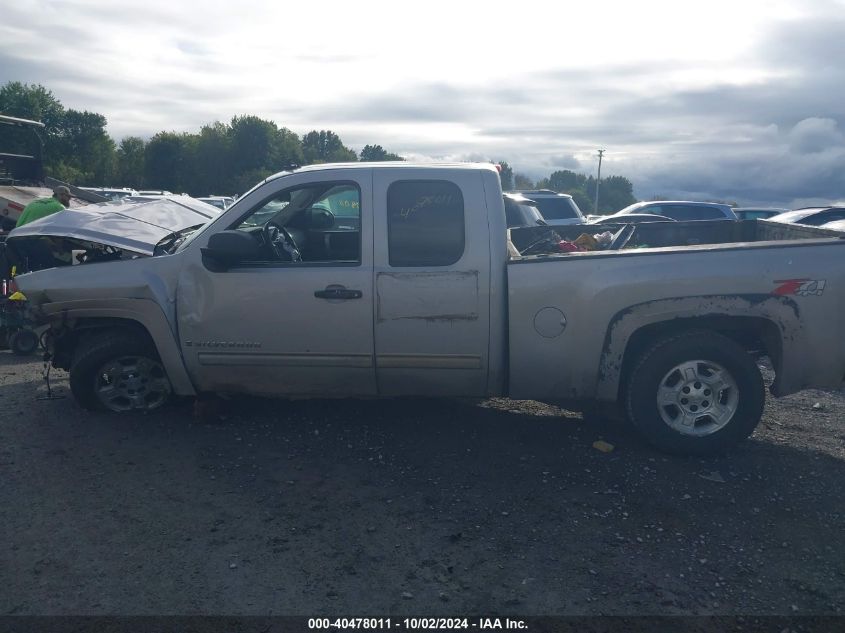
754,334
66,338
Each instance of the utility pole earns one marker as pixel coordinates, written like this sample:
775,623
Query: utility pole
598,181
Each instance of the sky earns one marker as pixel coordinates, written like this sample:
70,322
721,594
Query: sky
736,100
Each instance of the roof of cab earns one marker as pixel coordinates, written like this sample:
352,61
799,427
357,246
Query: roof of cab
390,164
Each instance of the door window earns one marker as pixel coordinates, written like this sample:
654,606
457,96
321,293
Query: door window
319,222
425,223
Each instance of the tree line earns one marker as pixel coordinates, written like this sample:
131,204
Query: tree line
615,192
222,158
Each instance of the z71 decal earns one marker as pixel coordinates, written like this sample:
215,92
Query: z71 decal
800,287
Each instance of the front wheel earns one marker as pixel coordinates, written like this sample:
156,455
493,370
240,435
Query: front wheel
23,342
696,393
119,372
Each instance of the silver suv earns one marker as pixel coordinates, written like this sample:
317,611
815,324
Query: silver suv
558,209
680,210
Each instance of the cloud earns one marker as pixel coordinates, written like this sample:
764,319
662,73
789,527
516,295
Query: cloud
565,161
814,135
753,113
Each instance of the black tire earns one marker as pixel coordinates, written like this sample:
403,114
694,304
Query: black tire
114,346
23,342
745,397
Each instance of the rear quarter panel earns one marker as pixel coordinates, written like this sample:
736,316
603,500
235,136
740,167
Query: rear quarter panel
605,297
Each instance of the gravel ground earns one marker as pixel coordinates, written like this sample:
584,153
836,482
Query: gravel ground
409,506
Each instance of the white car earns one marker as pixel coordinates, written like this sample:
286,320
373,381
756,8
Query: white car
757,213
812,216
112,193
836,225
680,210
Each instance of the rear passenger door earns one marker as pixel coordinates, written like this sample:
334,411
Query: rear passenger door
432,281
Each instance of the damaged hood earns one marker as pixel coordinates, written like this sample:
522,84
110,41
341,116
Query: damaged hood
134,226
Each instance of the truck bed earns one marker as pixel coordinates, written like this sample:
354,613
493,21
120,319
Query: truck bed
670,234
570,315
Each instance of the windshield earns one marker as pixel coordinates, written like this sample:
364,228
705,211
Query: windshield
174,241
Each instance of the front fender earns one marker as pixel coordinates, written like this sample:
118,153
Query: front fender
145,312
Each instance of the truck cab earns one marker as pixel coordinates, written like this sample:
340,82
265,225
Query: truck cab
348,261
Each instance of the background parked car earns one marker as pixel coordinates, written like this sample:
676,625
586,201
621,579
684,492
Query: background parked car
112,193
630,218
836,225
813,216
155,192
680,210
757,213
558,209
221,202
521,211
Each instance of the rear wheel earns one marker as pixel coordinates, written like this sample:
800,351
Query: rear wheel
695,393
119,372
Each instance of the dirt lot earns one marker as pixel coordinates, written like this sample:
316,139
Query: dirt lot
386,508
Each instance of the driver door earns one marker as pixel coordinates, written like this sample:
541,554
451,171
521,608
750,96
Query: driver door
279,327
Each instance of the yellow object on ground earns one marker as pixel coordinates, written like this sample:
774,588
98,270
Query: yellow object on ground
17,296
601,445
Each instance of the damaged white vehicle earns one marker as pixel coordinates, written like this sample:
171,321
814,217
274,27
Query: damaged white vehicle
107,231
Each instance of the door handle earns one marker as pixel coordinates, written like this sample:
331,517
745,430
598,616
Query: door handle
338,292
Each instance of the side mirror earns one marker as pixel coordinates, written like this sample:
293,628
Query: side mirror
227,248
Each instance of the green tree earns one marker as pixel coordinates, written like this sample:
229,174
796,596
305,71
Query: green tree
581,199
130,163
375,153
167,161
289,149
210,170
252,143
86,150
506,174
615,193
325,147
521,181
565,180
37,103
259,148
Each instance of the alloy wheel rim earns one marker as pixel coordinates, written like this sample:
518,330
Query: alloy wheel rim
131,383
697,397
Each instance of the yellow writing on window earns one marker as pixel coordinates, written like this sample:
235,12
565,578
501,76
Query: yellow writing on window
424,202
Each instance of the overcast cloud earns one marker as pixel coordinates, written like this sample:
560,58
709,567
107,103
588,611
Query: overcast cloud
740,101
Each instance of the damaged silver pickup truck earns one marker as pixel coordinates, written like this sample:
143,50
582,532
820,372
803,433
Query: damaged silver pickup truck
391,280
